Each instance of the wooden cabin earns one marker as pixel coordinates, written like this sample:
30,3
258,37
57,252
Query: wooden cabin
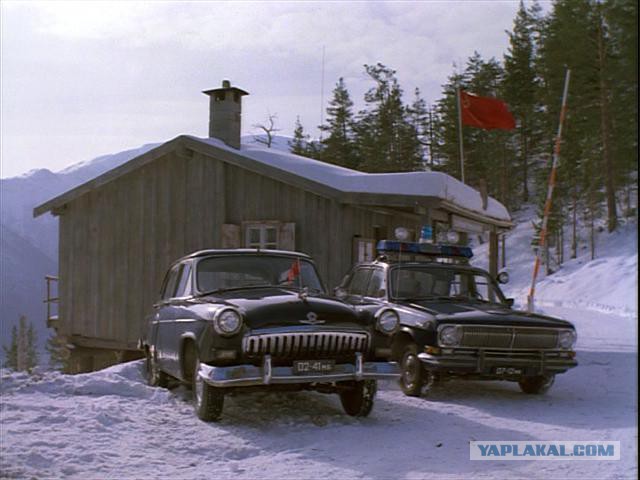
120,231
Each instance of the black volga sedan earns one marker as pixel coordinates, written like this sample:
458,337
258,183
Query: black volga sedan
455,322
237,319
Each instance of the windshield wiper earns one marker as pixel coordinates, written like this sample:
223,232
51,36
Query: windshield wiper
297,288
241,287
420,299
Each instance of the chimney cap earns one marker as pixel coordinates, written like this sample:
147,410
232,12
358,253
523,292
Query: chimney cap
226,87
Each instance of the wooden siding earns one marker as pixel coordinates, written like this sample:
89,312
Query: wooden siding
117,240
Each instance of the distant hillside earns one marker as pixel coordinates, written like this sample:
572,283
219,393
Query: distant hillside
29,246
22,272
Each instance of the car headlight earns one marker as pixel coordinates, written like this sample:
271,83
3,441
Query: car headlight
388,321
567,339
227,322
450,335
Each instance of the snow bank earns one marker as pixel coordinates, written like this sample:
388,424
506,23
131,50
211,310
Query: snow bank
123,380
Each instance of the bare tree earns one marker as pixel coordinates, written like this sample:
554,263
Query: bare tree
269,128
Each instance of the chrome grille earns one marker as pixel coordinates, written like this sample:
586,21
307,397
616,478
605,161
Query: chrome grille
508,337
304,344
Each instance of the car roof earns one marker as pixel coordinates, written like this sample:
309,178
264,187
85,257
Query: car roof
241,251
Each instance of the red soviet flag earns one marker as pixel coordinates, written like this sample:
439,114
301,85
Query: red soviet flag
294,271
485,112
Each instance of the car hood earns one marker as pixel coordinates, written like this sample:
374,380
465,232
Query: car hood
482,313
280,307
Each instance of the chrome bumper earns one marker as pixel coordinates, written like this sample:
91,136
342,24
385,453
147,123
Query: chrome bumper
251,375
483,362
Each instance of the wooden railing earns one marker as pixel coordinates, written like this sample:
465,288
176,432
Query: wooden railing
52,301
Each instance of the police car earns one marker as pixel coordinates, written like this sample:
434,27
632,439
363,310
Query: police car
454,320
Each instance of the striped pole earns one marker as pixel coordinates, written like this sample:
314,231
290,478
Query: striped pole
461,144
552,183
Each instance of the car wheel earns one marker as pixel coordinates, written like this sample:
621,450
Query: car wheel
208,400
411,378
155,376
357,399
536,385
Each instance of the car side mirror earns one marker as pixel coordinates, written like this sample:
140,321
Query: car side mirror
340,293
503,277
510,302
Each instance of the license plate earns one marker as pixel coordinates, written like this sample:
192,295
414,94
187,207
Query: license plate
303,367
508,371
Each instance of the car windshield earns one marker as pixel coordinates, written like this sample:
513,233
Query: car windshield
424,283
243,271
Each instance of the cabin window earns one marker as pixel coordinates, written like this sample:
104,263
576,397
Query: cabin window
262,235
363,249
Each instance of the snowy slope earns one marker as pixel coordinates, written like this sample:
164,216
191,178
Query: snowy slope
108,424
606,284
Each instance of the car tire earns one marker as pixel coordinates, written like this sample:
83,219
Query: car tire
537,385
208,401
358,399
155,376
412,375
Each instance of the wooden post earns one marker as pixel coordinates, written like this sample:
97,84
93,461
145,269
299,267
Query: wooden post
493,253
503,257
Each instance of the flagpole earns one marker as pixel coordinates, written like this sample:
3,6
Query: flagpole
552,183
460,135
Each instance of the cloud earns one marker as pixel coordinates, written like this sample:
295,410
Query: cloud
132,70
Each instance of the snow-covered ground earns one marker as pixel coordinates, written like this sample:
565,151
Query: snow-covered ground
109,424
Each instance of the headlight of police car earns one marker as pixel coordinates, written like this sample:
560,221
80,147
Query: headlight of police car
450,335
227,322
567,339
388,321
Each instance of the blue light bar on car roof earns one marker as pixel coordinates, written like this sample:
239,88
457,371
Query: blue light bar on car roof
424,249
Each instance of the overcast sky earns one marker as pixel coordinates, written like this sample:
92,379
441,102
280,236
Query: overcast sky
81,79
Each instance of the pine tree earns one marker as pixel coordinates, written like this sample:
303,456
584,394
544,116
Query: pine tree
564,43
32,351
22,352
338,145
446,126
385,138
298,144
11,352
621,20
520,85
422,122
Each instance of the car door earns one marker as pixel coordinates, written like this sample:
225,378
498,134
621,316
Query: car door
179,316
164,318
